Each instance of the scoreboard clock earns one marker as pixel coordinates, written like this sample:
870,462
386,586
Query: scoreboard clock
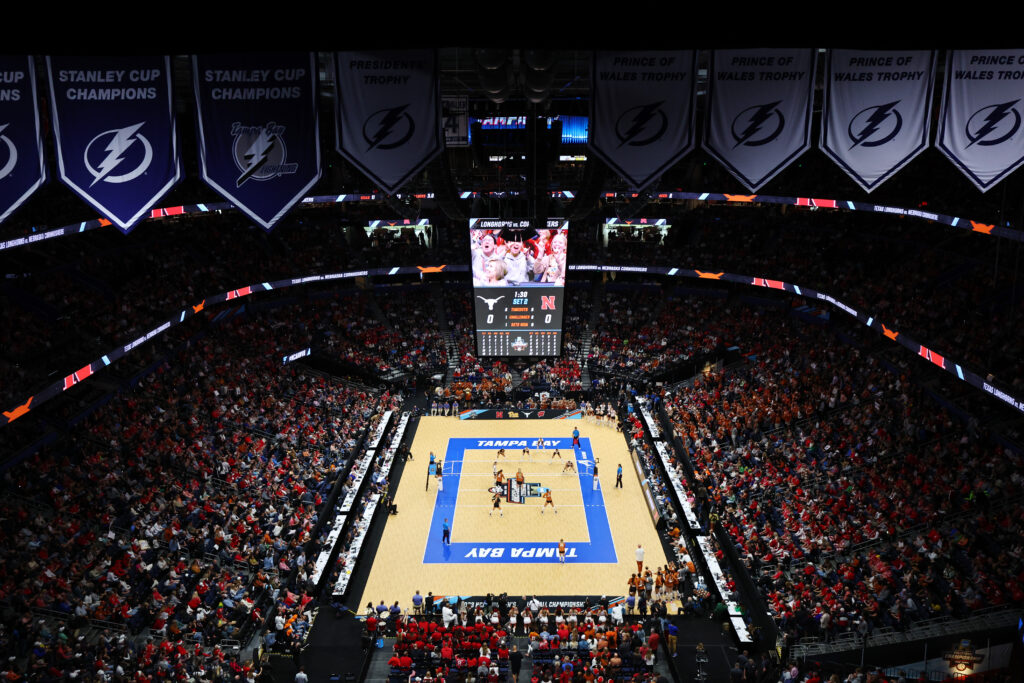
518,286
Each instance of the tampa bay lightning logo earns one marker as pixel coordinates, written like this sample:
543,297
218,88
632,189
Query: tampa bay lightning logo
7,149
260,152
993,124
641,125
876,125
388,128
125,150
758,125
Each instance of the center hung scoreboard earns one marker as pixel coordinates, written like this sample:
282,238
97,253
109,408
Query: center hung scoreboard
518,285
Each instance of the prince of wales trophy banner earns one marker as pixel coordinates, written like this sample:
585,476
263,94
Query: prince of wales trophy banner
113,122
980,125
22,169
259,142
388,113
759,117
877,111
641,112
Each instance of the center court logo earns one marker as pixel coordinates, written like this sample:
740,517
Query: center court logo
758,125
993,124
123,149
874,126
388,128
7,149
260,153
641,125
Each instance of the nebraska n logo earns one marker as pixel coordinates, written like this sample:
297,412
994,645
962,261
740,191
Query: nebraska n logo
547,303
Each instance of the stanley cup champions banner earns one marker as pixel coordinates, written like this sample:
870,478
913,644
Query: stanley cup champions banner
877,111
113,121
982,104
641,111
759,117
22,169
388,113
259,142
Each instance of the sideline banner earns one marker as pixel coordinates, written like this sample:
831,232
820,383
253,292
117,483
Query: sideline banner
22,166
387,113
113,121
259,142
641,111
877,111
980,124
515,414
759,115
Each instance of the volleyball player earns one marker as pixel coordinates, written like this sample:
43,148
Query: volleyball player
497,505
561,550
526,450
548,501
569,466
556,454
540,443
520,479
501,452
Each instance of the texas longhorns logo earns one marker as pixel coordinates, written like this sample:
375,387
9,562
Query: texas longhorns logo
490,302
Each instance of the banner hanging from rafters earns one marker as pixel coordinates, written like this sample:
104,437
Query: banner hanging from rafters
113,121
982,104
22,167
642,112
259,141
877,111
759,117
388,113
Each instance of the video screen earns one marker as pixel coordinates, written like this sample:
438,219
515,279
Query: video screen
518,275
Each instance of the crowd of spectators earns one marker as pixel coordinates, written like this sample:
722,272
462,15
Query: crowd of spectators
180,512
570,645
850,498
640,332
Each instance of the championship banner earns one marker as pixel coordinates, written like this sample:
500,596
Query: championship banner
641,111
387,113
259,142
455,115
22,168
980,125
877,111
113,121
759,119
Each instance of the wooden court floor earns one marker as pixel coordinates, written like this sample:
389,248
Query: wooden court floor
399,569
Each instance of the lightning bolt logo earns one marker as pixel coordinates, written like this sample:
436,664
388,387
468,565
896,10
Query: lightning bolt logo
994,116
383,124
121,140
256,156
876,116
635,121
755,117
12,153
